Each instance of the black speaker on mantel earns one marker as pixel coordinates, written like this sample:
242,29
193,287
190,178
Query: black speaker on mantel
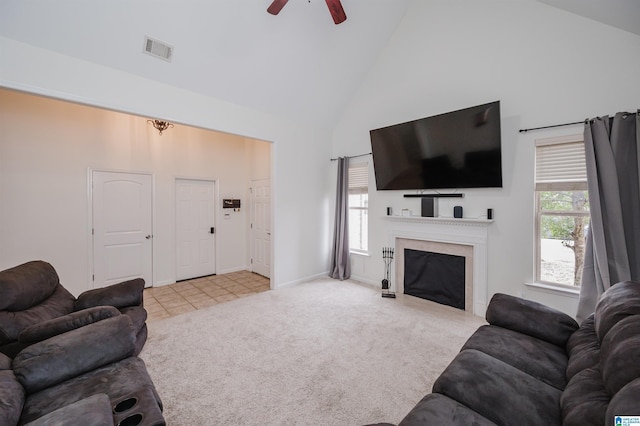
429,207
489,214
457,212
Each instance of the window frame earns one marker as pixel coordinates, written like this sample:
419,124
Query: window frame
539,213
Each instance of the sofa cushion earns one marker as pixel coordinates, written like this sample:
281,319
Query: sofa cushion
625,402
26,285
615,304
11,398
531,318
5,362
13,322
127,293
499,391
543,360
583,348
117,380
94,410
584,401
67,355
437,409
620,354
53,327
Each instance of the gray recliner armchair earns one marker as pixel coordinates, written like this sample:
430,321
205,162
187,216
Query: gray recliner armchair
34,306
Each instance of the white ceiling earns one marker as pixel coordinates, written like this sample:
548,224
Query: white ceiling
623,14
298,65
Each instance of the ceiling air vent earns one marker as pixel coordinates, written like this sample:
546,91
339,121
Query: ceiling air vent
158,48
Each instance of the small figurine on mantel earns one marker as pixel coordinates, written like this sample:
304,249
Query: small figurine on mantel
387,257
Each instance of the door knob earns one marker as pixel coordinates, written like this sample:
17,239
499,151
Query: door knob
148,237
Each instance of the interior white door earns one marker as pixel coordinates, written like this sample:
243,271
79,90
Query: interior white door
195,232
122,210
261,227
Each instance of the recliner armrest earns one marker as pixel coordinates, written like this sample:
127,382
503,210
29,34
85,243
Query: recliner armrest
47,329
531,318
73,353
127,293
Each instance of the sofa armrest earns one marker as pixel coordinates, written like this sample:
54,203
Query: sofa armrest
46,329
531,318
94,410
73,353
127,293
11,398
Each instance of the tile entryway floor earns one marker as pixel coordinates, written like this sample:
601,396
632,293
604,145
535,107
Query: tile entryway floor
186,296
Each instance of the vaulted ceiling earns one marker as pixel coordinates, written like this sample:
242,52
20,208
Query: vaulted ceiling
298,64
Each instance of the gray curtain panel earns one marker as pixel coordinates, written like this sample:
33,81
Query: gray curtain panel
612,255
340,265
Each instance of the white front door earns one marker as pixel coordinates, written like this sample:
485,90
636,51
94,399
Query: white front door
122,210
195,232
261,227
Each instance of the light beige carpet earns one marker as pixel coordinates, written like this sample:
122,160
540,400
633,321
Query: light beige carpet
320,353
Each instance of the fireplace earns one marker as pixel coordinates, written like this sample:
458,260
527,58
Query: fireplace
448,249
463,238
433,276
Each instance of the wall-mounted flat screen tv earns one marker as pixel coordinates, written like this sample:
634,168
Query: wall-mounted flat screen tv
459,149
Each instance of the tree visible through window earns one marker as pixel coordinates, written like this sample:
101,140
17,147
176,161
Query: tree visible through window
359,207
562,210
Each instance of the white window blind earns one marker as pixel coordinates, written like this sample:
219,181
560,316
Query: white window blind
561,167
359,178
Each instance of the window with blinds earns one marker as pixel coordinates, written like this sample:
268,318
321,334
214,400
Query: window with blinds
359,207
560,166
359,178
562,210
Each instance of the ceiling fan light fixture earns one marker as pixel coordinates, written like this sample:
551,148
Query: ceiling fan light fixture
335,8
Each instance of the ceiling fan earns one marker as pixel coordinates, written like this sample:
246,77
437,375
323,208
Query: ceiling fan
335,7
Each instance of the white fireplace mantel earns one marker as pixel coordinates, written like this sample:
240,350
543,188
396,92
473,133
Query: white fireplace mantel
440,220
467,232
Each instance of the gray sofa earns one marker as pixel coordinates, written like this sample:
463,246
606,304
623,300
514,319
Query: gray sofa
31,295
84,376
533,365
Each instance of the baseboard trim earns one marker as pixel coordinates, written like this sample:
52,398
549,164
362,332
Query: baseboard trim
161,283
324,274
367,281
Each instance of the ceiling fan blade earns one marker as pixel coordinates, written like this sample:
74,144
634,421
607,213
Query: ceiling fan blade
337,12
276,6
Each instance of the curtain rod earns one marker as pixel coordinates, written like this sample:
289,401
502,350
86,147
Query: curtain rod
353,156
549,127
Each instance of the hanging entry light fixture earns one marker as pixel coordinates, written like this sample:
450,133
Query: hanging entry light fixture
160,125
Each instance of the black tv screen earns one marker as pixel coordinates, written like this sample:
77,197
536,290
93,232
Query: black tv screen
459,149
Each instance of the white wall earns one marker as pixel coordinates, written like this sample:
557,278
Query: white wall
299,155
47,148
546,66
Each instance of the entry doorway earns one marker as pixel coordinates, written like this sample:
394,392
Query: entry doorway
195,228
122,227
261,227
